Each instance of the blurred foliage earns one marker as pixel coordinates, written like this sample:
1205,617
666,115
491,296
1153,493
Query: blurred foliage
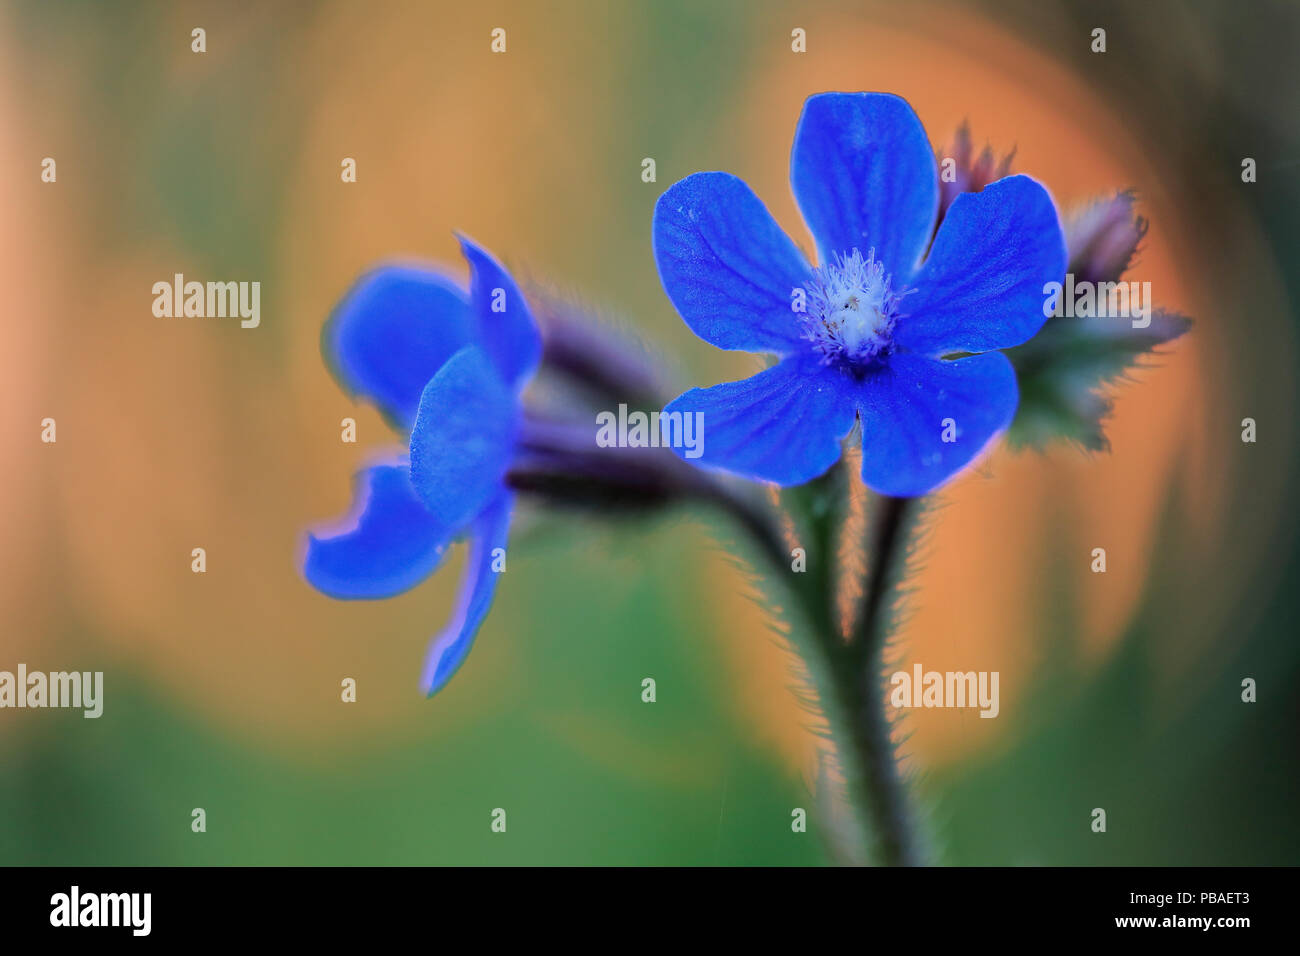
1063,369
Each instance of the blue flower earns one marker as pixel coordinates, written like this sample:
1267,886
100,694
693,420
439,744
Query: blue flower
446,369
880,332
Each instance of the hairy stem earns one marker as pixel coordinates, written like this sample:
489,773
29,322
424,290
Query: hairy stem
864,690
852,682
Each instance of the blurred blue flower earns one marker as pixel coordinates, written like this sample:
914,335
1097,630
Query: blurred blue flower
446,369
880,332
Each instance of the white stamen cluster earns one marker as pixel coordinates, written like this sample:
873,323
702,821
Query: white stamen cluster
851,309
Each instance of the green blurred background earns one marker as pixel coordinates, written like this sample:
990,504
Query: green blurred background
1119,691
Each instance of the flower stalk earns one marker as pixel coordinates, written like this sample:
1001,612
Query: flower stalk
894,826
848,677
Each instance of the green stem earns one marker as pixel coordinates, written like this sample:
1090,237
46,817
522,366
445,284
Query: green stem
862,688
848,673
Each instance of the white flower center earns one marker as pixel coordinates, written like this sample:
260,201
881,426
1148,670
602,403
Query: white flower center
851,309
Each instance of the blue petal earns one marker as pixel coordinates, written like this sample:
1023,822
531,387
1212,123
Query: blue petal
463,438
390,544
507,331
449,650
982,286
784,424
726,265
392,331
904,410
864,176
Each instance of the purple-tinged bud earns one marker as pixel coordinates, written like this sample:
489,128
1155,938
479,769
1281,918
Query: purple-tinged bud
608,365
960,171
1103,237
